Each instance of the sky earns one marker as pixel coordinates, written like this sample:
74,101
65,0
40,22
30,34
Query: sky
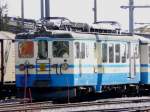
81,10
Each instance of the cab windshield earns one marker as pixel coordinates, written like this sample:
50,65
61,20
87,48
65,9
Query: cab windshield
61,49
26,49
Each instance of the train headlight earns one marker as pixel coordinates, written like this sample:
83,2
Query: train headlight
21,67
54,66
64,66
42,67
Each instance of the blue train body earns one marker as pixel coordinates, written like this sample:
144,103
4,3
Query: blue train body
62,59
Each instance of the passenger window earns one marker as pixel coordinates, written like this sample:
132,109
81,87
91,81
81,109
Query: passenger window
128,50
104,52
149,53
42,49
117,52
83,50
26,49
61,49
80,50
77,49
95,50
87,50
136,51
111,53
123,53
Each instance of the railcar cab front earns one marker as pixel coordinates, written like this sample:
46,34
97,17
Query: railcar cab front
43,59
60,61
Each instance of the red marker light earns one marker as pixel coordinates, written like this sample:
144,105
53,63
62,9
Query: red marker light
21,67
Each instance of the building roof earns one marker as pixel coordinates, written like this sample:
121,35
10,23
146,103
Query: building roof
7,35
144,29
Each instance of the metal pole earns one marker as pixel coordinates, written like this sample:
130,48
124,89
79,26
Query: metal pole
2,62
22,11
131,14
42,9
47,8
0,17
131,17
95,11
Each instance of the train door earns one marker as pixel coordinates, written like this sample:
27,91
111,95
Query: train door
79,55
42,61
83,61
133,55
82,57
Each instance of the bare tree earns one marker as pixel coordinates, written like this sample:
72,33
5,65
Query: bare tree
3,14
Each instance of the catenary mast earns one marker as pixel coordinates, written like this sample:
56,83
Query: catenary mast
131,8
95,11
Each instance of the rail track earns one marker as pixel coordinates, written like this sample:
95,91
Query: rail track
106,105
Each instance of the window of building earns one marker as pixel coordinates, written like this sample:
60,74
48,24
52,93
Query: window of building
104,52
111,53
26,49
61,49
117,53
42,49
123,53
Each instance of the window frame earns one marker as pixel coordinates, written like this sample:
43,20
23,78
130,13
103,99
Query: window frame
87,54
124,53
113,48
68,54
77,50
106,51
118,52
19,54
149,54
136,51
83,50
45,50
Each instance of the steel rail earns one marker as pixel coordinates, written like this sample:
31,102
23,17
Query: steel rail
49,105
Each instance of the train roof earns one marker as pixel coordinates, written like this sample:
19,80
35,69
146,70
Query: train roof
110,25
103,37
110,37
7,35
81,35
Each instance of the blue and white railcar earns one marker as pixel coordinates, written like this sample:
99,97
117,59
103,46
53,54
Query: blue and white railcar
67,62
58,60
145,60
118,61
